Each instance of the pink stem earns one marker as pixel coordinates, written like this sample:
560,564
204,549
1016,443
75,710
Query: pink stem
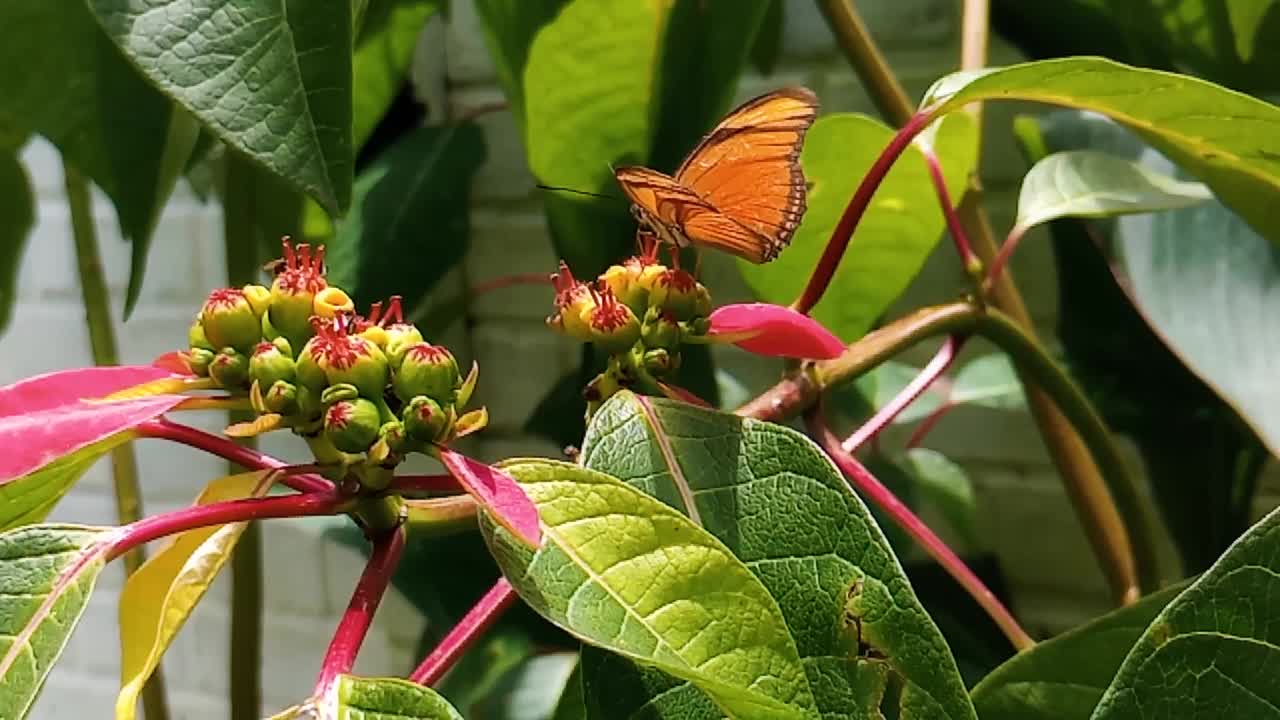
165,429
921,382
355,622
877,493
425,483
927,425
954,227
478,619
853,212
506,281
1002,258
327,502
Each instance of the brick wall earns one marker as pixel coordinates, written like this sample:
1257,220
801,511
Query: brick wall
1025,517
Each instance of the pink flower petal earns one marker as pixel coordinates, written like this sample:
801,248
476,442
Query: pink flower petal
46,417
775,330
498,492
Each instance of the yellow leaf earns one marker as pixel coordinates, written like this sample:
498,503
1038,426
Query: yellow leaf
157,599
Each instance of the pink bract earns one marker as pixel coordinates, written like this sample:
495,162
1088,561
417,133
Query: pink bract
774,330
498,492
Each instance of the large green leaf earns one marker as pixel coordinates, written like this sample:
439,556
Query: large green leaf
358,698
509,28
781,506
628,573
894,238
104,118
46,575
272,79
383,52
17,216
1064,677
409,222
1226,139
1210,653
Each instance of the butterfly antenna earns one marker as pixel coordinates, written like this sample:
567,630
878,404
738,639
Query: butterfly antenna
540,186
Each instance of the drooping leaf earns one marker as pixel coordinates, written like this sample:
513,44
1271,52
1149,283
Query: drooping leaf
779,504
1212,649
509,28
17,216
270,79
899,230
158,598
1225,138
1063,678
661,590
1088,183
380,64
57,43
409,222
46,575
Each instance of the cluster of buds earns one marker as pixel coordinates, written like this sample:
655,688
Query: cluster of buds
357,388
640,313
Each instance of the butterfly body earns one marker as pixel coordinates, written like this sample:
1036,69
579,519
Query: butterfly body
741,190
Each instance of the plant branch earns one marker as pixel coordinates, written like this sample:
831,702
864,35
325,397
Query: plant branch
102,344
445,483
945,356
867,484
868,62
469,629
355,622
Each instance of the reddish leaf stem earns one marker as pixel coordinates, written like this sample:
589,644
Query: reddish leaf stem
478,619
506,281
165,429
425,483
1011,243
927,425
955,228
877,493
327,502
355,622
921,382
853,212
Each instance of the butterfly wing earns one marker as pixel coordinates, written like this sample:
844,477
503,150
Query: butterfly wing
748,169
679,210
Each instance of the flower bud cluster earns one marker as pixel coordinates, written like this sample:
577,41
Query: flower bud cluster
351,385
640,313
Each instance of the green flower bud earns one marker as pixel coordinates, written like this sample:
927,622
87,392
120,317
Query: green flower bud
574,304
614,328
424,420
228,320
294,291
393,434
259,298
199,359
429,370
333,356
660,361
196,337
677,293
352,425
660,330
230,369
282,398
269,364
400,337
624,281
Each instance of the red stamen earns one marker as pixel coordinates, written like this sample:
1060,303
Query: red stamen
224,298
395,313
609,314
338,416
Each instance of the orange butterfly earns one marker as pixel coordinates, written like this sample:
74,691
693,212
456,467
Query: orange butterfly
741,190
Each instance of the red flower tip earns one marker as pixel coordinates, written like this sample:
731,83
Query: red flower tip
774,330
567,287
303,272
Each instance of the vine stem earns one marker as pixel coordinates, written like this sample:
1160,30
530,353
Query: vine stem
873,69
102,344
479,618
929,374
355,622
866,483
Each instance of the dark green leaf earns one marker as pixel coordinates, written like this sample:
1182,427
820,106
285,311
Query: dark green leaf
383,51
409,222
17,216
767,47
1064,677
781,506
272,79
46,575
897,234
1211,651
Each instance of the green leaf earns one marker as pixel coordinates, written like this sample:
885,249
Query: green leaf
660,590
383,52
1064,677
28,499
1088,183
17,217
1211,651
46,575
509,27
57,43
1226,139
389,699
767,47
271,79
895,237
776,500
158,598
989,381
409,222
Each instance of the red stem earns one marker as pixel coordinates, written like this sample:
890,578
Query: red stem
425,483
927,425
921,382
355,622
165,429
877,493
506,281
954,227
327,502
853,212
478,619
1002,257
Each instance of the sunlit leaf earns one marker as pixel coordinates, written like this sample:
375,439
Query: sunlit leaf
46,575
661,590
380,64
158,598
358,698
509,28
501,496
